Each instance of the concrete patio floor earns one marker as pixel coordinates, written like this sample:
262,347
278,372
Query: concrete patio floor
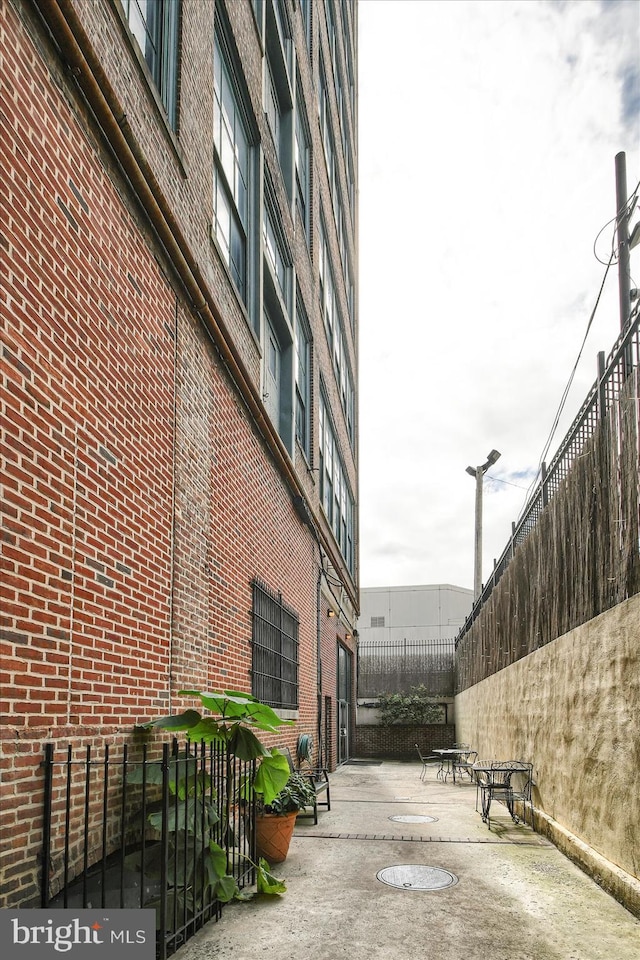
516,896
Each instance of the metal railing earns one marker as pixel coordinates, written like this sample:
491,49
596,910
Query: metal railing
613,373
130,828
397,666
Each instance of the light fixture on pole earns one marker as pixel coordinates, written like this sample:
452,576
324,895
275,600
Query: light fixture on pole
478,473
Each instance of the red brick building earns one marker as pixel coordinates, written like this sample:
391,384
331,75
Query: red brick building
179,374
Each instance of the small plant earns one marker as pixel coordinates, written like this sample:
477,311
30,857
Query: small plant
297,794
415,707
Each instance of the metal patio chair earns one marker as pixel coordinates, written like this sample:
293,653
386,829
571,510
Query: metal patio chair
463,763
426,762
505,780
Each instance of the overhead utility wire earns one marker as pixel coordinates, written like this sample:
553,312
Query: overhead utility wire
565,393
628,208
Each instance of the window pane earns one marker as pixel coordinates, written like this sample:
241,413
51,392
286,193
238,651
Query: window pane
231,173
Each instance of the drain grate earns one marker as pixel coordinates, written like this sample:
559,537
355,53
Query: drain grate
416,819
415,876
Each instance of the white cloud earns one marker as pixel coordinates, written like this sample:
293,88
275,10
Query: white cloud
488,132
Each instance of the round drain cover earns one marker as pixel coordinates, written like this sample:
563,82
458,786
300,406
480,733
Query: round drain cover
410,819
414,876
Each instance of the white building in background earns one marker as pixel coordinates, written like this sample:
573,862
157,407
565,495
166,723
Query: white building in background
433,612
404,621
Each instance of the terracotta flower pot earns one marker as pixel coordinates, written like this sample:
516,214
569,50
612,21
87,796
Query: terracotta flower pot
273,835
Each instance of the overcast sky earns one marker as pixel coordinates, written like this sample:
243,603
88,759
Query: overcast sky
488,131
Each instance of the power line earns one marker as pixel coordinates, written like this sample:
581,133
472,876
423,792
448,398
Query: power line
628,209
565,393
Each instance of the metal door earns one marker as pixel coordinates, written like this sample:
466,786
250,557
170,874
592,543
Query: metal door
343,731
344,703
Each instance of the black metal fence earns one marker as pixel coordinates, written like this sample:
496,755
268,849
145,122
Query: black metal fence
129,827
396,666
604,396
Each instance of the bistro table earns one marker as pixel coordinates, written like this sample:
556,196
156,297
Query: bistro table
447,765
493,779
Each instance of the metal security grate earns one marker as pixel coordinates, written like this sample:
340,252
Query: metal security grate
275,649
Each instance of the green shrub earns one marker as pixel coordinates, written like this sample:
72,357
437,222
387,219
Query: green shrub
414,708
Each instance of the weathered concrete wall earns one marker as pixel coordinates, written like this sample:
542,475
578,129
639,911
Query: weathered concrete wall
573,709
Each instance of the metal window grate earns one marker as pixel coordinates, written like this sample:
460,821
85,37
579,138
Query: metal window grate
275,649
377,621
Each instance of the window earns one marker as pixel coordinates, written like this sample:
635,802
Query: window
302,164
335,496
377,621
335,336
331,32
275,649
278,329
258,12
277,259
278,97
231,174
325,123
303,380
154,24
305,10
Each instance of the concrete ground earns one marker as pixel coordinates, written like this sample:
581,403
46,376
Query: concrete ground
516,897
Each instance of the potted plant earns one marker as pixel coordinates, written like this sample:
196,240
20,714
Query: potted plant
275,820
232,720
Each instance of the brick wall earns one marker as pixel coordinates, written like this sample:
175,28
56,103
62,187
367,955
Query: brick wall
139,500
398,741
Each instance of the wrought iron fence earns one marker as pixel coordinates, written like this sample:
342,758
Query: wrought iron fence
396,666
613,373
130,827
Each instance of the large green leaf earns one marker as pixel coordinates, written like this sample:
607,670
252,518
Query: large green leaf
271,776
216,861
228,705
244,743
266,881
237,706
208,729
152,775
179,721
189,816
226,889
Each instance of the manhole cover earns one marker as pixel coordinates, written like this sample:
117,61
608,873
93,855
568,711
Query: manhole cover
412,876
410,819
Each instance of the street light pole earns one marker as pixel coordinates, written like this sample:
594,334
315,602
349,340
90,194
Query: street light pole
478,473
622,219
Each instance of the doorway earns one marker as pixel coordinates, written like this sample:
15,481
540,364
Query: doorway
344,704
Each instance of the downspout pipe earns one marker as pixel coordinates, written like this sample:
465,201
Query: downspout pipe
67,31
